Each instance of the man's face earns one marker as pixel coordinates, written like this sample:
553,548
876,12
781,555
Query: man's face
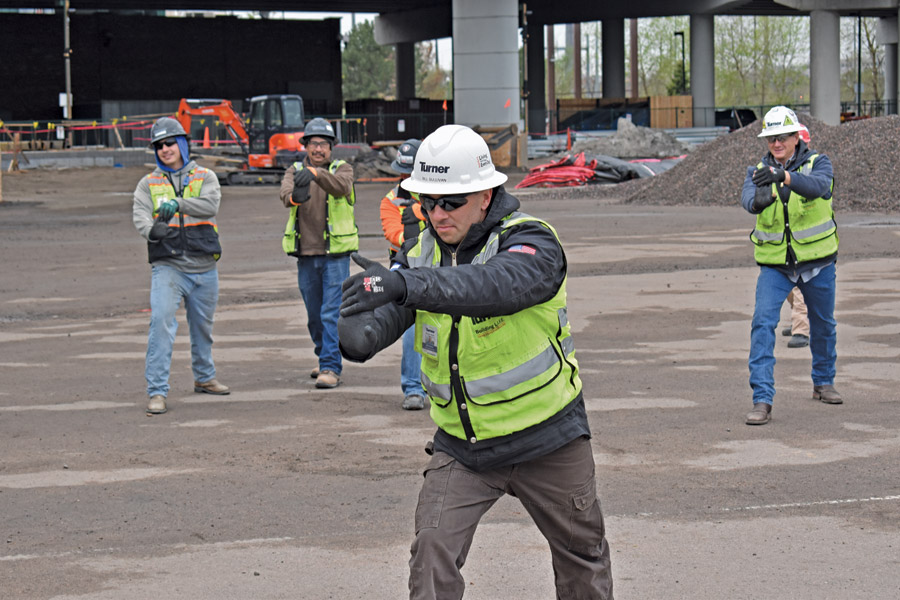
169,153
319,151
782,146
453,225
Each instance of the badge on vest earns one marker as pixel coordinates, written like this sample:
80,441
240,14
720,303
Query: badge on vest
429,340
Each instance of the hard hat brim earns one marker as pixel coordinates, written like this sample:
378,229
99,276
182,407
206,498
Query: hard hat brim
779,129
401,168
444,188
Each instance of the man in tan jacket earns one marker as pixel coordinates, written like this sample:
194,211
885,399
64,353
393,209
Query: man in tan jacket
321,232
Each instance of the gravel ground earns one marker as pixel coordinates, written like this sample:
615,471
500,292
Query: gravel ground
865,155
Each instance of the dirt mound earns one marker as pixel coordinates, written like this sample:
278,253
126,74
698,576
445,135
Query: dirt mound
632,141
864,153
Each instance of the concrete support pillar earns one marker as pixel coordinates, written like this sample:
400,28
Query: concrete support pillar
825,66
405,61
486,62
534,78
887,36
703,71
613,60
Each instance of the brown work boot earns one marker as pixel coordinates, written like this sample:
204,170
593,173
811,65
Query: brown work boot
211,387
827,394
327,379
760,415
314,373
157,405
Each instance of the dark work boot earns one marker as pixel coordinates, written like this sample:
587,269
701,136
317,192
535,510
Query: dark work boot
798,341
760,415
827,394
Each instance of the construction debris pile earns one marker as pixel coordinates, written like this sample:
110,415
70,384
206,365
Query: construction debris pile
865,155
632,141
372,164
579,169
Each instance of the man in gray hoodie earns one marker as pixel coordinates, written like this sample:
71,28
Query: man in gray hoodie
175,210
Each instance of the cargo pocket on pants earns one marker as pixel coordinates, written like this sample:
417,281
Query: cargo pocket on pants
431,496
587,520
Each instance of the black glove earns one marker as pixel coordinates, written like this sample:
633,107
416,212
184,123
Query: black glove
408,217
768,175
167,209
761,199
303,177
300,194
374,287
159,230
356,336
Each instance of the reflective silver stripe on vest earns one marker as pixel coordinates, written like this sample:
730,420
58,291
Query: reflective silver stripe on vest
490,248
504,381
807,233
568,345
765,236
436,390
426,243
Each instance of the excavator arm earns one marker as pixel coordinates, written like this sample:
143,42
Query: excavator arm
222,110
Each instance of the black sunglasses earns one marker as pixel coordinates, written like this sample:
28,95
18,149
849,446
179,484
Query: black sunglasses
166,142
779,138
448,203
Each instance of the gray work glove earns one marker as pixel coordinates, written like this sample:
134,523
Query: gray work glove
374,287
300,193
761,199
767,175
356,336
159,230
303,177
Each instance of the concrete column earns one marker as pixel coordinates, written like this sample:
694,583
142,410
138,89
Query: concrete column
612,33
486,62
887,36
825,66
703,71
534,59
405,62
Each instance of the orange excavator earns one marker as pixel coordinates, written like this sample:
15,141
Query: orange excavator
269,139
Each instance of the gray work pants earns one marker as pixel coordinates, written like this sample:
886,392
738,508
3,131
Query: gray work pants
558,491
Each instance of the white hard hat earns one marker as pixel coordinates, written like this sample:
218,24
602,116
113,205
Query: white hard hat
778,120
453,160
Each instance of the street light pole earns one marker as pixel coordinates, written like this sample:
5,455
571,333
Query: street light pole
683,79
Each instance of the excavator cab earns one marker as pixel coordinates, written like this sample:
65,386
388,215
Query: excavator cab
275,127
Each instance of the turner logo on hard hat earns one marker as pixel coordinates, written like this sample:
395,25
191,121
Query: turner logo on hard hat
425,168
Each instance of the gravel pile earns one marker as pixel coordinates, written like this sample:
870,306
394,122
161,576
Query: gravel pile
632,141
865,155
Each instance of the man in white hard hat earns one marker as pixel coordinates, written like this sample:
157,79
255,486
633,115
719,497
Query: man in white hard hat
485,286
796,244
179,196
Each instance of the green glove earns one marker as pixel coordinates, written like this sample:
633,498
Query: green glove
168,209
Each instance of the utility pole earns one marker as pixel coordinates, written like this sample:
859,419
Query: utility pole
67,55
633,58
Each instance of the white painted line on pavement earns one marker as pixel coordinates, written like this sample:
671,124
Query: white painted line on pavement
789,505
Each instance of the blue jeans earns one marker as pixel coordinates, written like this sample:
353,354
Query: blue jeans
320,278
772,288
411,365
200,292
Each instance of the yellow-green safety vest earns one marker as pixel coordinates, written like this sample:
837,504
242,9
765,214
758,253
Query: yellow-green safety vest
489,377
186,234
810,228
341,234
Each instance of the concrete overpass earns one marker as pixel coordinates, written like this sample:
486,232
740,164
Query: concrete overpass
486,39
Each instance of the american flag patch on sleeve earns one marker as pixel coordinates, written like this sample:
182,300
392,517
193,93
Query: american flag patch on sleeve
522,248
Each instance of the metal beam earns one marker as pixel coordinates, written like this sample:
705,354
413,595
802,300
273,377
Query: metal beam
429,23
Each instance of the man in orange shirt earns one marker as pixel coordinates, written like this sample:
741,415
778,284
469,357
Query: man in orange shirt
402,220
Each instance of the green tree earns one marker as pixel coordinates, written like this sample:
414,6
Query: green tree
431,81
872,74
659,52
367,67
762,61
